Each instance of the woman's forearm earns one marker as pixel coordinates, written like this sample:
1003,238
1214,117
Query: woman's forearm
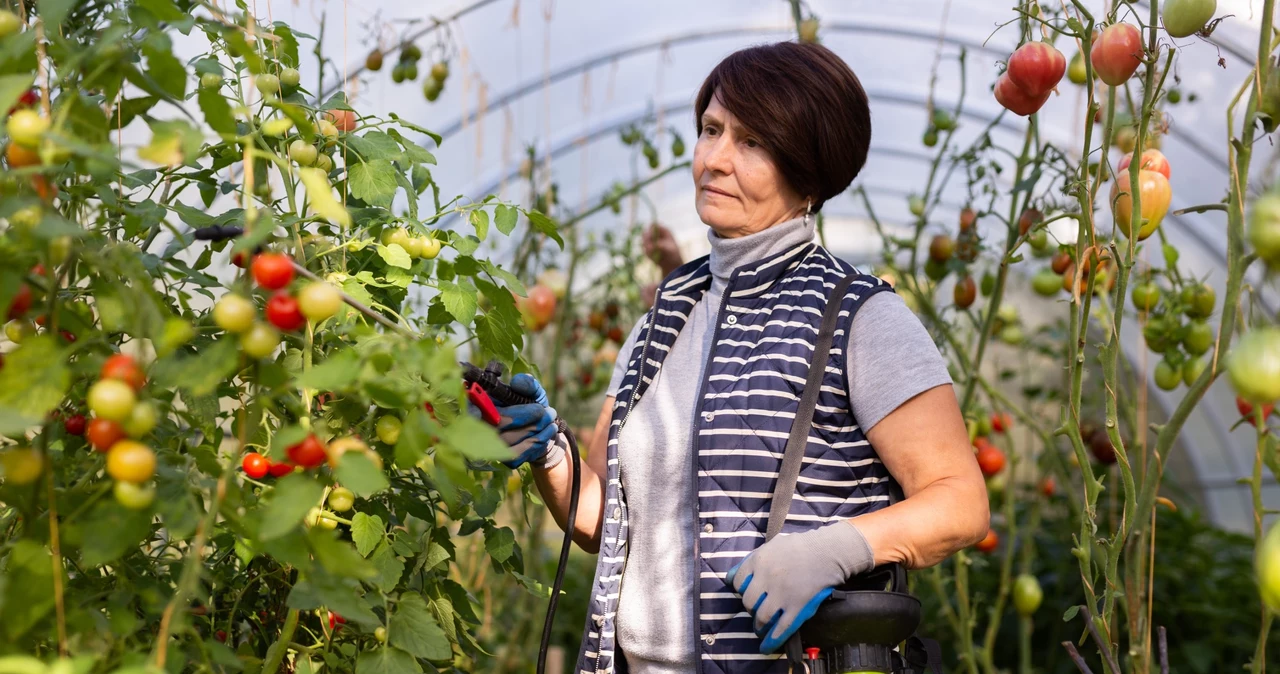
555,485
918,532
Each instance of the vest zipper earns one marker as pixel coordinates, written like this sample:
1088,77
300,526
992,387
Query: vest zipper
697,515
635,392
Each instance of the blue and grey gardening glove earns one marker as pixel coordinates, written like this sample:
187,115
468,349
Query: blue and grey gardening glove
783,581
530,429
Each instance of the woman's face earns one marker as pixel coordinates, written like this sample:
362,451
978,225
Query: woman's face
739,189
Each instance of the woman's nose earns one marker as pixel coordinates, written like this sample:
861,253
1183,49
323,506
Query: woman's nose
719,156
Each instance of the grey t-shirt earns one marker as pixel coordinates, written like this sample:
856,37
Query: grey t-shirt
890,359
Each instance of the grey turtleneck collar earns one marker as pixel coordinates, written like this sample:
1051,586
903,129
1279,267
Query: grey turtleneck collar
730,254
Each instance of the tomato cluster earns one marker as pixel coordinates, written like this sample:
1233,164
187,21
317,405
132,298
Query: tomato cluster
1034,71
237,314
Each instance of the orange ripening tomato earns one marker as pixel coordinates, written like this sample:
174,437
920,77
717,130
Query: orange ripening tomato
989,542
1117,53
1152,160
1155,193
990,460
19,156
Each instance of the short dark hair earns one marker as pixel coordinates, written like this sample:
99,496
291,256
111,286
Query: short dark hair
807,107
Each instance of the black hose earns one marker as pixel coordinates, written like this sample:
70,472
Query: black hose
564,547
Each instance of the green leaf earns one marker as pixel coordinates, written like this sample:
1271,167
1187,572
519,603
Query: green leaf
192,216
35,377
480,220
499,543
164,10
434,554
201,372
545,225
414,152
460,301
475,439
13,423
395,256
334,374
1070,614
293,496
321,195
163,66
338,557
387,660
28,590
413,628
390,567
416,435
375,145
374,182
359,474
110,531
217,112
345,596
534,587
54,12
11,88
505,217
414,127
173,143
367,531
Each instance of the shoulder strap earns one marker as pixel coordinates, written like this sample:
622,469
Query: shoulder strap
799,438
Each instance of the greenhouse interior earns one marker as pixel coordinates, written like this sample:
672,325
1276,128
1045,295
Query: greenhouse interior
326,323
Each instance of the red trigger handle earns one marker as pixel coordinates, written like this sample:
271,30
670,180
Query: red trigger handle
480,398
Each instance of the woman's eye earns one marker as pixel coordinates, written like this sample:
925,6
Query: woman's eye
709,130
751,142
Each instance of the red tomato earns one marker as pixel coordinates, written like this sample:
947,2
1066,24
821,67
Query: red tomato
335,620
280,469
988,543
990,460
1036,67
124,368
239,259
1117,53
541,305
1048,487
20,303
1246,409
344,120
75,424
283,312
309,453
272,271
220,635
1152,160
255,465
1001,422
103,433
1017,101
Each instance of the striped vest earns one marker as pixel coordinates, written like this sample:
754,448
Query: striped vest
763,340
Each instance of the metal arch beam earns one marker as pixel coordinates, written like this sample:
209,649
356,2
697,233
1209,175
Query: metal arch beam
839,26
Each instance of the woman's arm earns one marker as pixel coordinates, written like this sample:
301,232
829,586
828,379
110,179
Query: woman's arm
556,483
925,446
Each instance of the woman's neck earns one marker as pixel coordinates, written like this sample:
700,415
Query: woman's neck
730,254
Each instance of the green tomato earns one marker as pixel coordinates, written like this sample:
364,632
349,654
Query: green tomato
1198,339
414,247
1076,72
943,120
10,23
397,236
133,496
234,313
397,73
431,89
430,247
388,429
267,84
18,330
276,128
380,633
1203,298
1039,240
324,162
21,466
916,205
1156,334
303,152
1012,335
1184,18
930,138
1266,564
1046,283
988,284
211,81
112,399
290,77
319,301
1192,369
411,71
329,131
936,271
1254,366
1145,296
1264,228
259,341
1167,375
1027,594
26,127
142,419
341,499
439,72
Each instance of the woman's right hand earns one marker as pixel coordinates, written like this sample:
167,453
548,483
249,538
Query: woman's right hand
530,429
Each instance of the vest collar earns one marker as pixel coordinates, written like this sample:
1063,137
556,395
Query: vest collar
691,280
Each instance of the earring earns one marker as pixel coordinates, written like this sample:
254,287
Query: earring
808,209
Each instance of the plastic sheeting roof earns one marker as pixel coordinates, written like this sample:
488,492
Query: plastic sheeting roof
568,74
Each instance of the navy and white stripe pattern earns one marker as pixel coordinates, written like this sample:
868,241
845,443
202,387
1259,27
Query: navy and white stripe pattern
764,339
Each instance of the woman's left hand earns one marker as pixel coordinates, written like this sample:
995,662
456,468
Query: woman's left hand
783,582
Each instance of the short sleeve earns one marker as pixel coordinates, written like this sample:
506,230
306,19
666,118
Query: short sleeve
891,359
620,365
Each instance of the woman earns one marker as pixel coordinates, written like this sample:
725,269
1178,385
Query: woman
689,442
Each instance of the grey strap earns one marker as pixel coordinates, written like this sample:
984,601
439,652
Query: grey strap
799,438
